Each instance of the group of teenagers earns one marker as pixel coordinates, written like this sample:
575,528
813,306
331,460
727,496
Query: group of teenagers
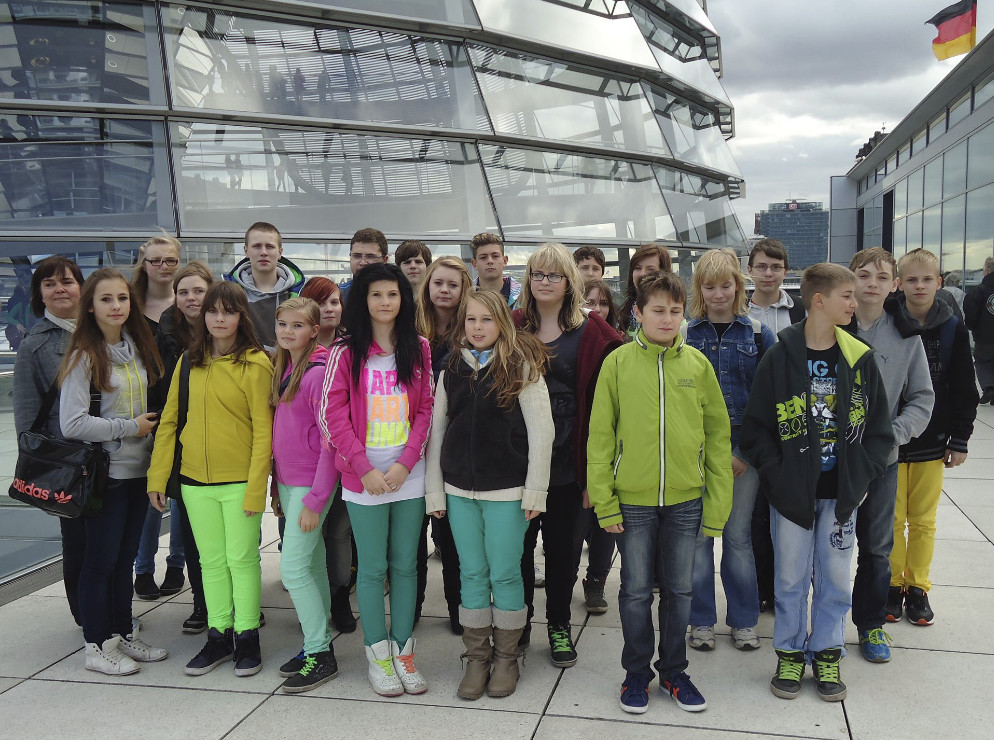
796,428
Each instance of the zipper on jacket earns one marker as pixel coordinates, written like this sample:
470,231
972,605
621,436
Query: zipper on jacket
662,430
700,460
617,462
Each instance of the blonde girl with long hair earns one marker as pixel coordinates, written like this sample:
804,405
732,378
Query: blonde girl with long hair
488,469
158,260
577,343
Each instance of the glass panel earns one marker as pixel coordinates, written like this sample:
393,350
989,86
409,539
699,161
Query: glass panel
232,62
952,233
954,170
554,100
454,11
694,73
918,142
903,154
881,171
900,238
933,181
959,110
326,182
983,91
914,230
692,132
979,231
81,52
932,229
568,195
701,209
891,163
980,169
82,173
915,180
614,35
901,198
937,126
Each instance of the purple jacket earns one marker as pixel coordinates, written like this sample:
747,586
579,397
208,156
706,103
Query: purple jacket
343,413
301,459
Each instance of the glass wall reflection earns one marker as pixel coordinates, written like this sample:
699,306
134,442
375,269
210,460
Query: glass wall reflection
692,132
701,209
567,195
227,61
326,182
453,11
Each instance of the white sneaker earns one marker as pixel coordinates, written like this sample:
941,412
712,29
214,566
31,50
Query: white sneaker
745,638
539,577
702,637
403,664
137,649
382,677
109,659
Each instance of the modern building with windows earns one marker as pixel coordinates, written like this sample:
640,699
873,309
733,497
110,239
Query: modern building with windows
930,181
600,123
802,226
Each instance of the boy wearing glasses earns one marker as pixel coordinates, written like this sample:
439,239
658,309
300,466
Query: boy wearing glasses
267,277
367,246
489,261
771,304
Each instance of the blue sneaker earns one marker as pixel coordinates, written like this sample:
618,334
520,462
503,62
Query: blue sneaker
683,691
635,693
873,644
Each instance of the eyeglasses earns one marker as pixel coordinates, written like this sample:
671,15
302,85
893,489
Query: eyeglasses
365,257
160,261
554,277
775,269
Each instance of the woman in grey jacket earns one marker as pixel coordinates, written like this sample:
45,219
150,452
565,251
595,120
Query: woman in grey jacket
55,286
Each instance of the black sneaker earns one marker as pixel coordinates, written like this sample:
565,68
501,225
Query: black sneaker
248,654
173,582
894,607
317,669
593,595
292,667
917,608
218,650
786,681
146,588
561,644
196,622
825,666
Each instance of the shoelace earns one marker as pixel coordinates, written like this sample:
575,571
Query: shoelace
879,637
789,670
386,665
408,662
827,672
309,662
560,640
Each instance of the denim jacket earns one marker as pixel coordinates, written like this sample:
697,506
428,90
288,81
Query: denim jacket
734,359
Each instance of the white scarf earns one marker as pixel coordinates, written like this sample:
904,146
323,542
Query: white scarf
68,324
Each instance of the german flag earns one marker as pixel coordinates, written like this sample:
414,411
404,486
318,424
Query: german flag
957,26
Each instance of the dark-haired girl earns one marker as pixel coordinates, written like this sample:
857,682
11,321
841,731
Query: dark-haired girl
224,471
376,415
113,351
647,258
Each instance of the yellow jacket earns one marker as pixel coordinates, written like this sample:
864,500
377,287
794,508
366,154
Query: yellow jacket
229,427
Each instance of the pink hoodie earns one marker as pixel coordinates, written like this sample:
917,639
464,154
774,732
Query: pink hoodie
301,459
343,413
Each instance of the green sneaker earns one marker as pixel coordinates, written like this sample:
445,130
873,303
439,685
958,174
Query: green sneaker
786,681
825,666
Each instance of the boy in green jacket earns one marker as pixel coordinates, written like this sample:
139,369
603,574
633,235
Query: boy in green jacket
659,470
819,432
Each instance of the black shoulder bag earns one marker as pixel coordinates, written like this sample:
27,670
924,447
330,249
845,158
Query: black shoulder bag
173,484
63,477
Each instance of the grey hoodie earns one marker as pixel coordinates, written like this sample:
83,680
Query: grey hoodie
116,426
904,369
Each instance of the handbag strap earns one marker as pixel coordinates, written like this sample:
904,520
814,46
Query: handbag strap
41,420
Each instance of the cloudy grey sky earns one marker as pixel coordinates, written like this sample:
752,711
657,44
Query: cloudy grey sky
811,81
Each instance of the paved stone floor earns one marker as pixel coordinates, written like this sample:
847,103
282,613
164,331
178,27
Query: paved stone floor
937,686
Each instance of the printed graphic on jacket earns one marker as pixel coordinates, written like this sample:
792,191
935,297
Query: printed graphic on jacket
387,422
823,370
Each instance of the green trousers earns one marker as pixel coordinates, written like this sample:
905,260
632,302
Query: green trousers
304,570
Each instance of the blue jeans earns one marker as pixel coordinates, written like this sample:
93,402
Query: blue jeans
658,541
105,587
738,563
875,540
807,558
149,543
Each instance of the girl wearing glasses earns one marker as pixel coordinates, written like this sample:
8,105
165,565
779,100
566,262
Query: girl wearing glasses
158,259
553,300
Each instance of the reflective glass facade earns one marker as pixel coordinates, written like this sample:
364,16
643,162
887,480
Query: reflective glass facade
598,122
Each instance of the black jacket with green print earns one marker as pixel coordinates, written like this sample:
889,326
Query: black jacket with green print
781,439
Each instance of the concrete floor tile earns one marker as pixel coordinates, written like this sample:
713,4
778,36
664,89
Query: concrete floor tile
571,728
981,517
305,716
965,492
90,710
8,683
961,563
978,467
954,523
912,701
37,632
736,685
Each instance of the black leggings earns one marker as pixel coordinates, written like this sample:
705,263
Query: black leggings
558,524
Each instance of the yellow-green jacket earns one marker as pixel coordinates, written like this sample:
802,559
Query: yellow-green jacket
228,435
659,433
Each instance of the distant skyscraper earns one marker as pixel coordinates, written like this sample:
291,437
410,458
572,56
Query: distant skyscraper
803,228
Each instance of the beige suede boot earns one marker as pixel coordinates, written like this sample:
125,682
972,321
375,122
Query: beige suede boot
477,629
507,631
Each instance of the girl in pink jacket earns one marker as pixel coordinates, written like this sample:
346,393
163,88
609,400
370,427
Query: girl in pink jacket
376,412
